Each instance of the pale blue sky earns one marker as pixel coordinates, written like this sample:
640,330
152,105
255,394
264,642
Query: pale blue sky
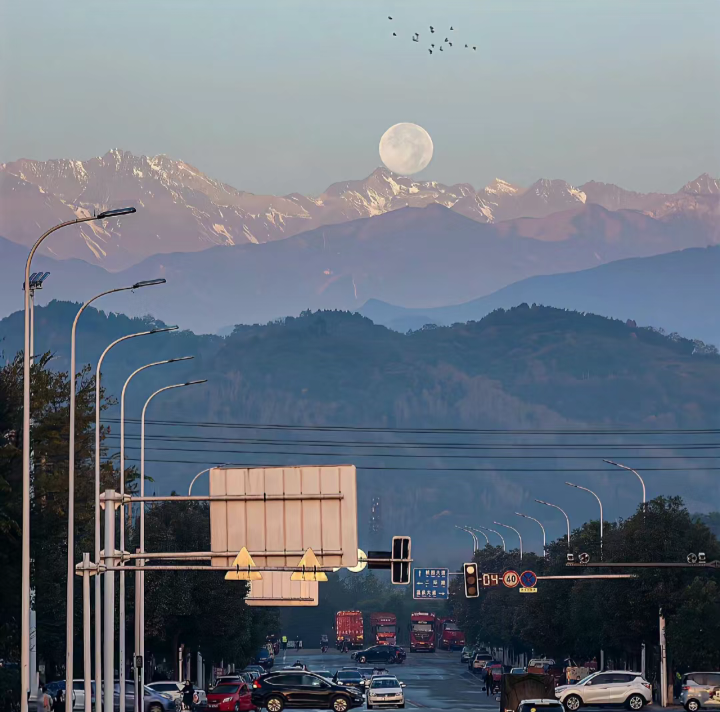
290,95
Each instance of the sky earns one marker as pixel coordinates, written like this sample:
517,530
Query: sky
276,96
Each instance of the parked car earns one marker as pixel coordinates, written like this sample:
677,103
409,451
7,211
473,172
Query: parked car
174,689
352,678
265,658
611,687
153,700
231,697
700,689
385,691
281,689
479,661
380,654
467,654
257,669
78,692
324,673
540,706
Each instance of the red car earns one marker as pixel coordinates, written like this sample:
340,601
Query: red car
230,697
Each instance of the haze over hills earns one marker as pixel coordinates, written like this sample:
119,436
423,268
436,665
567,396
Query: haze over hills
416,257
527,368
676,291
180,209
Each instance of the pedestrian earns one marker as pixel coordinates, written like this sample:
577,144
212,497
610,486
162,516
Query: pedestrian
284,642
488,681
187,695
59,703
297,642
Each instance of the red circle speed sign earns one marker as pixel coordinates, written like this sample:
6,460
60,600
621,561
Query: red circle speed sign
511,579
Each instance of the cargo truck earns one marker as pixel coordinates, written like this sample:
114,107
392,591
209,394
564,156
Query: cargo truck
422,632
349,626
383,628
449,636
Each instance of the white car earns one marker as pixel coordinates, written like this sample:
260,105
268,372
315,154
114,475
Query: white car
540,705
173,688
385,691
611,687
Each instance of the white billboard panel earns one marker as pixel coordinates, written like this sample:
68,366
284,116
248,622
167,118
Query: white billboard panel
288,510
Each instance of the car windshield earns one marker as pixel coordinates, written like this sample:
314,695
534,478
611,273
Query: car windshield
348,676
384,682
226,688
584,680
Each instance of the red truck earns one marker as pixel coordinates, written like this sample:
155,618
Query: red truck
349,626
449,636
383,628
422,632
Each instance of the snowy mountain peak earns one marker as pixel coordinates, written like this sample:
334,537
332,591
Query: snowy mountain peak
501,187
702,185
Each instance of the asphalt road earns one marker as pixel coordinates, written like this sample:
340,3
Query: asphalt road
435,681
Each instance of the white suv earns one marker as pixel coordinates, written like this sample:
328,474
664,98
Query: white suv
611,687
385,691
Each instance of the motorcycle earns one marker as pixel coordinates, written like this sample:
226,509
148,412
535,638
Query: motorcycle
323,648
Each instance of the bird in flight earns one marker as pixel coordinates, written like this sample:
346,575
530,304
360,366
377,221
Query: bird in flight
394,34
430,51
415,39
441,49
432,29
432,45
452,28
389,18
450,43
465,46
475,48
446,39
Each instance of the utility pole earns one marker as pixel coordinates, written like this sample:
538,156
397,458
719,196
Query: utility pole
663,662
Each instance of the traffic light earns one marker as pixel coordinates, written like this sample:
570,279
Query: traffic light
400,569
470,572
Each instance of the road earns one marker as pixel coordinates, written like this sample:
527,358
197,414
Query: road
435,681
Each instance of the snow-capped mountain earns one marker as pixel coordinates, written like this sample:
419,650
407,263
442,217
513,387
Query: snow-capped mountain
180,209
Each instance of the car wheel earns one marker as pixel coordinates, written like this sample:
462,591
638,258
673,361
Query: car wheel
275,703
362,659
692,706
635,702
573,703
340,704
237,707
156,708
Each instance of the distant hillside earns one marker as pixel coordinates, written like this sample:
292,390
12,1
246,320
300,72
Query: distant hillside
677,291
526,368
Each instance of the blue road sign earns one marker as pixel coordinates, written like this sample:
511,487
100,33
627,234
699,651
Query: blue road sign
528,579
430,584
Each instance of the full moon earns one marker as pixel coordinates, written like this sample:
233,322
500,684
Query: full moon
406,148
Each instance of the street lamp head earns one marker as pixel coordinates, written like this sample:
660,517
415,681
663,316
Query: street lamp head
148,283
114,213
181,358
193,383
165,328
570,484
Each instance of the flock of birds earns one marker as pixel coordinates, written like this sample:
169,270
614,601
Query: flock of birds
432,47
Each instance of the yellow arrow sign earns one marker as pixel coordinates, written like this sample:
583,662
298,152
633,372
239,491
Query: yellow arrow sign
243,564
308,563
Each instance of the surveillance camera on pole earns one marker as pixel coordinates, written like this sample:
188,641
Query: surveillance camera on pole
584,558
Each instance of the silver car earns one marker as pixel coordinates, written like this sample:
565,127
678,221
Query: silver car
152,701
700,689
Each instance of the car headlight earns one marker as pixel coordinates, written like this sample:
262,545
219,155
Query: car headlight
228,699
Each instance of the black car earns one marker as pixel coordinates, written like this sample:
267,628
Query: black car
264,658
381,654
286,688
350,677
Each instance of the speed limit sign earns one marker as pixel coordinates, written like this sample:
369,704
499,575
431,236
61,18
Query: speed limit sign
511,579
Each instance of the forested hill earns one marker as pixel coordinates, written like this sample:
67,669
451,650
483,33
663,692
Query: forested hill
525,368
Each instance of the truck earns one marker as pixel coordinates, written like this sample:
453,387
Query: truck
448,635
349,626
383,628
422,632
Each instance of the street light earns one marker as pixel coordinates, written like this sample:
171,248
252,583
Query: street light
475,540
108,575
507,526
502,538
625,467
140,576
121,625
567,519
25,567
487,540
202,472
585,489
69,633
527,516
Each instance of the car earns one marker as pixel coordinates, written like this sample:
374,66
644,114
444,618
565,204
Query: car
367,672
467,654
231,697
174,689
324,673
479,661
78,692
540,705
609,687
278,690
380,654
518,671
352,678
255,670
700,689
153,701
385,691
265,659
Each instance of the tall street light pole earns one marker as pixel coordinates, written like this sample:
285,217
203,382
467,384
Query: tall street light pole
70,606
202,472
502,538
507,526
629,469
140,576
475,540
109,575
567,519
527,516
25,567
585,489
121,625
479,531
